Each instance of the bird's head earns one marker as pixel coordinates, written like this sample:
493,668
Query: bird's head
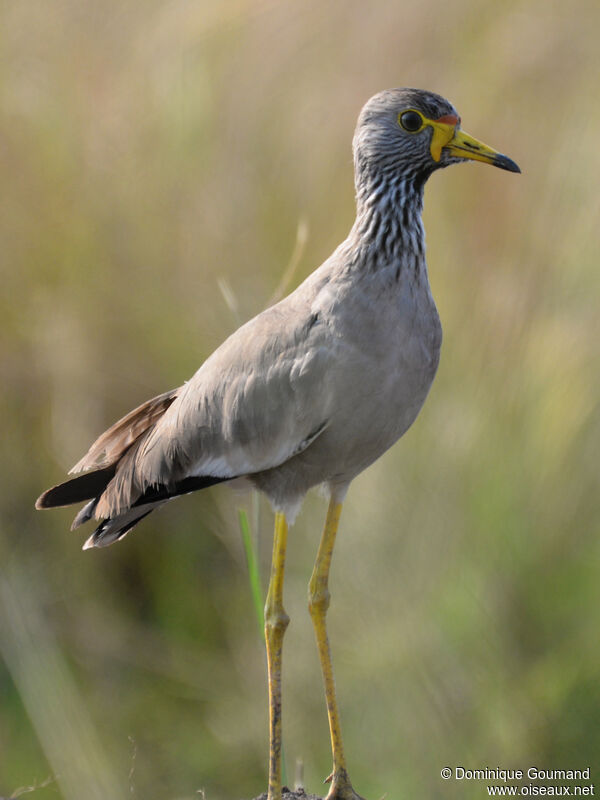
410,132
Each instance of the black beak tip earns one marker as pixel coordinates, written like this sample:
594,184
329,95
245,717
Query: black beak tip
504,162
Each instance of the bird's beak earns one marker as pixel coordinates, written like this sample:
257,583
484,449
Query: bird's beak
447,135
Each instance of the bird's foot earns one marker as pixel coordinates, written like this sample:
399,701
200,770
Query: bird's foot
345,793
341,788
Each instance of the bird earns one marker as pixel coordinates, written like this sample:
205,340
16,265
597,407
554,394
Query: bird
309,392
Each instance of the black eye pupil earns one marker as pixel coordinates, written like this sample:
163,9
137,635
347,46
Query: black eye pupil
411,121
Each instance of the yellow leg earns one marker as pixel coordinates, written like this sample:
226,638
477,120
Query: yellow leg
276,621
318,603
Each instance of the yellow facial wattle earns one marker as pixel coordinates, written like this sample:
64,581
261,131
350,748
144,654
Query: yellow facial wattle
447,134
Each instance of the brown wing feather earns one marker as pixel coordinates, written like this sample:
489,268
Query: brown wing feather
113,443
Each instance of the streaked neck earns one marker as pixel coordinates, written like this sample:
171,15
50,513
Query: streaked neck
388,230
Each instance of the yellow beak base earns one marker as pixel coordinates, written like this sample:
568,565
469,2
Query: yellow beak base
463,145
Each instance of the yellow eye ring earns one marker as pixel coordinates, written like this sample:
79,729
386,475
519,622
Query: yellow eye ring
411,120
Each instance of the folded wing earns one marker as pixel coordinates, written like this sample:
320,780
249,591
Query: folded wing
258,400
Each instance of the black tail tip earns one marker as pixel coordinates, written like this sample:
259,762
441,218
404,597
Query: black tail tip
42,502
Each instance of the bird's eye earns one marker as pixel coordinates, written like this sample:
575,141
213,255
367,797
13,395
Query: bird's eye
411,121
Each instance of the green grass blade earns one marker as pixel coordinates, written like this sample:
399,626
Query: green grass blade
253,571
257,598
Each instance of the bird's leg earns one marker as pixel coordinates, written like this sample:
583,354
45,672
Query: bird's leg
318,603
276,621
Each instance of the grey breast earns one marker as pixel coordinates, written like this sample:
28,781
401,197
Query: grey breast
383,336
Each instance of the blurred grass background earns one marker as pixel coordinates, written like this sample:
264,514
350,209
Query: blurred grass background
153,152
